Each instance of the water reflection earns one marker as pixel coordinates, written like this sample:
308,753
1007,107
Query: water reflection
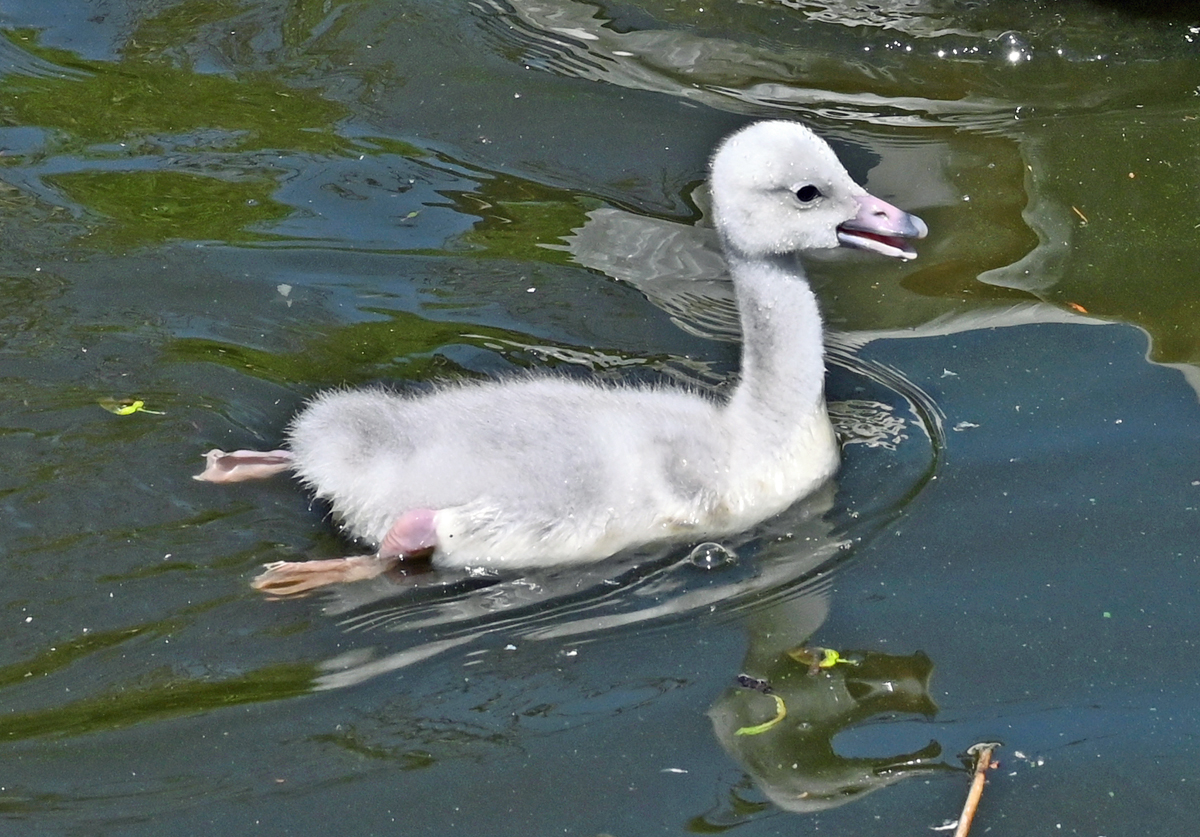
440,611
869,72
794,762
679,266
974,67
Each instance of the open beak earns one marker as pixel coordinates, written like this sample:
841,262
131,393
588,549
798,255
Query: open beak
882,228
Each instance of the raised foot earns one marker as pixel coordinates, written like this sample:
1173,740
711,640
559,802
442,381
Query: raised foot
291,578
240,465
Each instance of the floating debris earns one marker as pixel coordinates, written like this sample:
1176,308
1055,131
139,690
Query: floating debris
748,682
818,658
127,406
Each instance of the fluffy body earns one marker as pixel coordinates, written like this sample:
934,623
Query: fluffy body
544,471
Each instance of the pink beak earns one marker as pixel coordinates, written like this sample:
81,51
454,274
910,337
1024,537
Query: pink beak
882,228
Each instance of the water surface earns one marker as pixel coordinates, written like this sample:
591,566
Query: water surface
220,208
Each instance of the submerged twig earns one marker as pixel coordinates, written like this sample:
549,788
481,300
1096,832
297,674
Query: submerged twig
983,760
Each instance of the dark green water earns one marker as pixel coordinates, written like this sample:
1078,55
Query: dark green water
221,207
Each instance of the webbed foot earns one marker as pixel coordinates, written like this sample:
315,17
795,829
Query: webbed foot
292,578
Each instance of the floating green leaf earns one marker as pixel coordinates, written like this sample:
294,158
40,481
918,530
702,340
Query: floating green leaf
127,406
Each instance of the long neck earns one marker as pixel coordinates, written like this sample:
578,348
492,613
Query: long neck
783,365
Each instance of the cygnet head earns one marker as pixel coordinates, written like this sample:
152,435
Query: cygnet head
778,188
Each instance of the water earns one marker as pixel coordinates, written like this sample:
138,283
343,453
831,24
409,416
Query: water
219,210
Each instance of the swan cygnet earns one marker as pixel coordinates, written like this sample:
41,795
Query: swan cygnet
538,471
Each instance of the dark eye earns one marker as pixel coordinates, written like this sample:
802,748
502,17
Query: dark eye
808,193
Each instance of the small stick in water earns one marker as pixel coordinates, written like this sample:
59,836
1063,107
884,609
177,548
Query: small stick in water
983,760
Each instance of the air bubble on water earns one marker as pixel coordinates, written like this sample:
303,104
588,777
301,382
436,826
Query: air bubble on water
712,556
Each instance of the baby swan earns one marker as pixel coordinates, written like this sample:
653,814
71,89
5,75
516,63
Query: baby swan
540,471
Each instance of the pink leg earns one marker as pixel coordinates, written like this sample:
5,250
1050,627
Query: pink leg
240,465
413,533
